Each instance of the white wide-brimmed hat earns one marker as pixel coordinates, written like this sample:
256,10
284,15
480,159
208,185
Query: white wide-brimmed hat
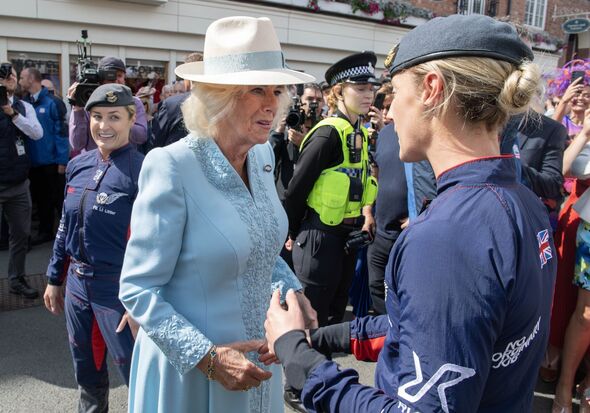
242,51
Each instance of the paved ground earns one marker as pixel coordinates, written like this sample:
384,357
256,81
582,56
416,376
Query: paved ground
36,373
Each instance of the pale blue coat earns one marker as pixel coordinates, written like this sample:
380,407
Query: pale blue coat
200,266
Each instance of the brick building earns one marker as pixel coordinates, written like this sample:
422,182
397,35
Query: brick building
542,18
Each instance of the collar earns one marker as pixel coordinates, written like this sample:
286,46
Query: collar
35,97
488,170
339,114
114,154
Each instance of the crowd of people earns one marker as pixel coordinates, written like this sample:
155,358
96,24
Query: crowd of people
220,230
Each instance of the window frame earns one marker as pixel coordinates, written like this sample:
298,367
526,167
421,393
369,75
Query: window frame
469,9
533,13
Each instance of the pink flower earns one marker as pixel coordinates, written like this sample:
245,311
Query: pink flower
373,8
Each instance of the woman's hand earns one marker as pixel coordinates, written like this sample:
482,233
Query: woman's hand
309,314
289,244
280,321
266,356
563,106
232,369
404,222
376,118
369,224
295,136
71,93
126,319
572,91
54,299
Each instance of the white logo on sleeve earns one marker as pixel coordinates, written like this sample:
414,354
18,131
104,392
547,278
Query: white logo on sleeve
104,199
513,349
464,373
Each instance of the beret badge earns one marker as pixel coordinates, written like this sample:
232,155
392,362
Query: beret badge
111,97
390,56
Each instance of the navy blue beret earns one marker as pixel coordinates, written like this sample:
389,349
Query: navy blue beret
458,35
110,95
359,67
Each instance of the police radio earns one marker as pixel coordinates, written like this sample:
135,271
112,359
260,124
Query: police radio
354,141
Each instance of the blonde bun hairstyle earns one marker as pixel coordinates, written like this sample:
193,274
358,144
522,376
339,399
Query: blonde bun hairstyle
482,89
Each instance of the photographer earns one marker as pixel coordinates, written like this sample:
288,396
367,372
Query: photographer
330,187
17,121
80,139
286,138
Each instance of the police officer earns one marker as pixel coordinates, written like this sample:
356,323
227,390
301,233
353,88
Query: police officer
330,187
101,186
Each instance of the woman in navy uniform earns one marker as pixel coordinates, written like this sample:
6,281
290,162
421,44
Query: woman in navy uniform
90,244
469,283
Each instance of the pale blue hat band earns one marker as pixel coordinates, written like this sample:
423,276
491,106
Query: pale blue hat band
244,62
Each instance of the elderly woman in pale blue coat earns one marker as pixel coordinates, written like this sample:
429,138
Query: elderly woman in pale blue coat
206,231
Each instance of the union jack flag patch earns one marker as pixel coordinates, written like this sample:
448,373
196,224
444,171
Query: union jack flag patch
545,253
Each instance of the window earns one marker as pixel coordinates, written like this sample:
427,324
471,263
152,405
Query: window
471,6
534,13
47,64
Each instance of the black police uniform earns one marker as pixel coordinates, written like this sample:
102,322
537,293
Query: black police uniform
321,263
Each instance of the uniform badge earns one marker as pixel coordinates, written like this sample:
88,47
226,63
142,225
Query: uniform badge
545,253
111,97
101,198
104,199
370,68
390,56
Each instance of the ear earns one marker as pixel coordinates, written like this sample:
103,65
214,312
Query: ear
432,89
338,92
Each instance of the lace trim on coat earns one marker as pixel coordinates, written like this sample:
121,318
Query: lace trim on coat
256,212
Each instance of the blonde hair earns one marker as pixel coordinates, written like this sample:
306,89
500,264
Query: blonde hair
210,104
131,110
482,89
334,96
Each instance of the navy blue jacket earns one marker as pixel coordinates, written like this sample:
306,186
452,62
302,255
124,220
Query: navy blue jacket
94,225
53,148
467,323
168,123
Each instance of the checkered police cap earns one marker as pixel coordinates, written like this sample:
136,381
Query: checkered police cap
359,67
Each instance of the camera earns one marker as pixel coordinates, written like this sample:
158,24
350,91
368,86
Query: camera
88,76
5,71
357,239
313,111
296,115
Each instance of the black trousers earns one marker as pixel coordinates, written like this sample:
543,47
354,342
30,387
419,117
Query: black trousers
47,191
377,258
324,269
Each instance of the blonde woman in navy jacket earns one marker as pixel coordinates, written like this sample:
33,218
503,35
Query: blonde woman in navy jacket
90,243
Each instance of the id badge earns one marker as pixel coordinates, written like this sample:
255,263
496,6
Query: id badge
20,147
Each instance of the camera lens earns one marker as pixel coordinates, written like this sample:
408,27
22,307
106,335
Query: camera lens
293,119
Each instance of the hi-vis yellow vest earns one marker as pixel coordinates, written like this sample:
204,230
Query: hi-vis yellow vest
330,196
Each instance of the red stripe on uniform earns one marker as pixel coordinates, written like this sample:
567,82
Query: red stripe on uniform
128,232
99,347
64,272
367,350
